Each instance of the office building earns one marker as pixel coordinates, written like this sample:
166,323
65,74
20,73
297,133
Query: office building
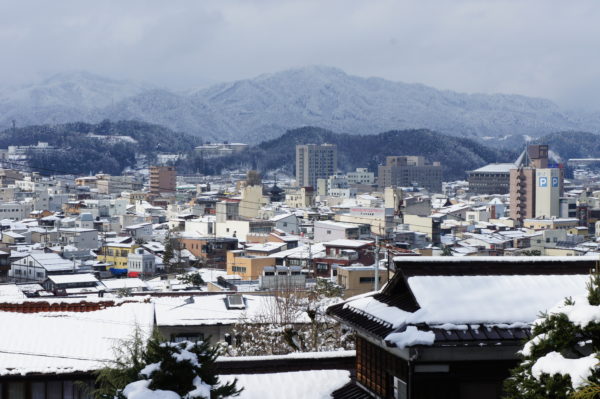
548,191
406,171
162,179
315,162
522,193
491,179
535,189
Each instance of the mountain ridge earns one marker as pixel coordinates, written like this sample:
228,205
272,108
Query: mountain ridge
265,107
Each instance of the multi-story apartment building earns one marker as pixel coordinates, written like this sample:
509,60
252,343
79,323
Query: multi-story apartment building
404,171
522,194
162,179
361,176
210,251
315,162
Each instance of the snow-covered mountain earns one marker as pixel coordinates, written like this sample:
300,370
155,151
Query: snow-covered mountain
65,97
256,109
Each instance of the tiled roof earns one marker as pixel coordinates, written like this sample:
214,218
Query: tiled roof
351,391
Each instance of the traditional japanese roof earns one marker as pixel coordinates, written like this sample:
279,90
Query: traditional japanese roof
467,301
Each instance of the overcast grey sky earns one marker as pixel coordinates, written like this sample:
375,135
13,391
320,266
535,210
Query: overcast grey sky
539,48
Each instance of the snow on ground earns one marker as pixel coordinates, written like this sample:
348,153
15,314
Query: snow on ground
312,384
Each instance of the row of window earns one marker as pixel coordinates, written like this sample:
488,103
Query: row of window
46,390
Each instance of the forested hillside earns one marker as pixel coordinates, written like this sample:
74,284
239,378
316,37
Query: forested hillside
79,153
572,144
457,155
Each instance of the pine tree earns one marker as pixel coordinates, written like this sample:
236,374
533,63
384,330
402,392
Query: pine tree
167,257
562,338
185,369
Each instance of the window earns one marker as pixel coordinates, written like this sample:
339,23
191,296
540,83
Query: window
364,280
192,337
238,269
400,389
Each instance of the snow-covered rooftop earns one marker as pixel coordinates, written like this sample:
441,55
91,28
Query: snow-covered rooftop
492,299
210,310
68,342
347,243
314,384
73,278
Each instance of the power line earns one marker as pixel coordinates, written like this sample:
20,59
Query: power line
41,354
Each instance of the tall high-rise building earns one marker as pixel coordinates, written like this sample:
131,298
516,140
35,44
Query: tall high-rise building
548,190
522,193
315,162
535,189
162,179
405,171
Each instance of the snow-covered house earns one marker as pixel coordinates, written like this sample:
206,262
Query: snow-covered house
447,327
38,265
287,222
140,231
69,284
211,316
50,351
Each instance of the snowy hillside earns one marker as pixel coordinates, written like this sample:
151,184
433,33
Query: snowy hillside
65,97
264,107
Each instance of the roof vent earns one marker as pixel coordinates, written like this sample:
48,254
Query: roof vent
235,301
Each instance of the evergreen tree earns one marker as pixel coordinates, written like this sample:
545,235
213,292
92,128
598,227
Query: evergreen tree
168,255
447,251
561,360
194,279
180,370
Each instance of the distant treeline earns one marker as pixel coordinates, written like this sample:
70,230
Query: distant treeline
80,154
457,155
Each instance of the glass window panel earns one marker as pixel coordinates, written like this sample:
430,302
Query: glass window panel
68,390
38,390
16,390
54,390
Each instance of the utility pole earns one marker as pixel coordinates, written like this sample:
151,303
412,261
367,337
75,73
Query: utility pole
376,263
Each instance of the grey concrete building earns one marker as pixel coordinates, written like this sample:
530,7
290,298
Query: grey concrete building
315,162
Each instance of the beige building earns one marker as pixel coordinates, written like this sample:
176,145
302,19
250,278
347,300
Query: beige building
315,162
430,225
162,179
535,189
551,223
404,171
252,201
248,267
359,279
303,197
548,190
